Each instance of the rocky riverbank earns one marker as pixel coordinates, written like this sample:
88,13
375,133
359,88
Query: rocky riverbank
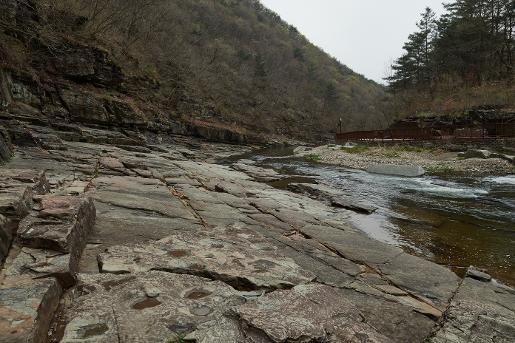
435,161
150,240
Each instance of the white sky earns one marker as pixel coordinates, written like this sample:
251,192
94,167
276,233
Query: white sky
365,35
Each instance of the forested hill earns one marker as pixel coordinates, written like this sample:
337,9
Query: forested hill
233,63
463,59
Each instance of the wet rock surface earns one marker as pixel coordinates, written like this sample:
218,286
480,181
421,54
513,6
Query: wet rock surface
184,247
334,197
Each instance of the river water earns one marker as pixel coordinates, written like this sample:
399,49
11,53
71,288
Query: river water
455,222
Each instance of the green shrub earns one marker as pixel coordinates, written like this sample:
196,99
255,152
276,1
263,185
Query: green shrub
439,169
312,158
357,149
176,339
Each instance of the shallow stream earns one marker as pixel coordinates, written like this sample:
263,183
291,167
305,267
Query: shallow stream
454,221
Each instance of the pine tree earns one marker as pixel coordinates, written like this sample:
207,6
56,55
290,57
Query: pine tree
470,44
415,67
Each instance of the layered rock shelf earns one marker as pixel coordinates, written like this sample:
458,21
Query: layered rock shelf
129,237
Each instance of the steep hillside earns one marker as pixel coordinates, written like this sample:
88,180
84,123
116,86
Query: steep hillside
230,64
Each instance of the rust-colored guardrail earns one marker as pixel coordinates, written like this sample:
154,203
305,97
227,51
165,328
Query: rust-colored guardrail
424,134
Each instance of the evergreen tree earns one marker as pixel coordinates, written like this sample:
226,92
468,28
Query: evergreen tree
415,67
471,43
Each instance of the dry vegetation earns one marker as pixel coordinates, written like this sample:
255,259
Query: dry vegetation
238,60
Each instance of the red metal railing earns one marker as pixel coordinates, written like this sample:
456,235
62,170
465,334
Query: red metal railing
490,132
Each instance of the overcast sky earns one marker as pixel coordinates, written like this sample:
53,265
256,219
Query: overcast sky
365,35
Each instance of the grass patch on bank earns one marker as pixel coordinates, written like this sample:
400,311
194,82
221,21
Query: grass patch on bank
439,170
177,339
312,158
357,149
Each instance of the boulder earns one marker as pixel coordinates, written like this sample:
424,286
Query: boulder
15,200
397,170
475,153
58,229
258,173
6,237
477,274
80,63
17,187
61,223
85,108
35,179
40,263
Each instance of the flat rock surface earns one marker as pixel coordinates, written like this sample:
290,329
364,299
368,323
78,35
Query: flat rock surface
210,252
319,312
481,311
149,307
241,258
333,196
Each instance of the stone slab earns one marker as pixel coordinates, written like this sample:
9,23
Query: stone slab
307,313
239,257
481,311
333,196
149,307
26,308
397,170
59,228
60,223
40,263
6,149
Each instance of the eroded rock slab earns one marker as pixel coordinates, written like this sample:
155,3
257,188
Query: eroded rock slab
307,313
237,256
481,311
258,173
39,263
61,223
26,308
150,307
36,179
334,197
396,170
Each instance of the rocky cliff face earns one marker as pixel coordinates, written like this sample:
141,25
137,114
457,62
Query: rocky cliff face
49,62
5,145
56,78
